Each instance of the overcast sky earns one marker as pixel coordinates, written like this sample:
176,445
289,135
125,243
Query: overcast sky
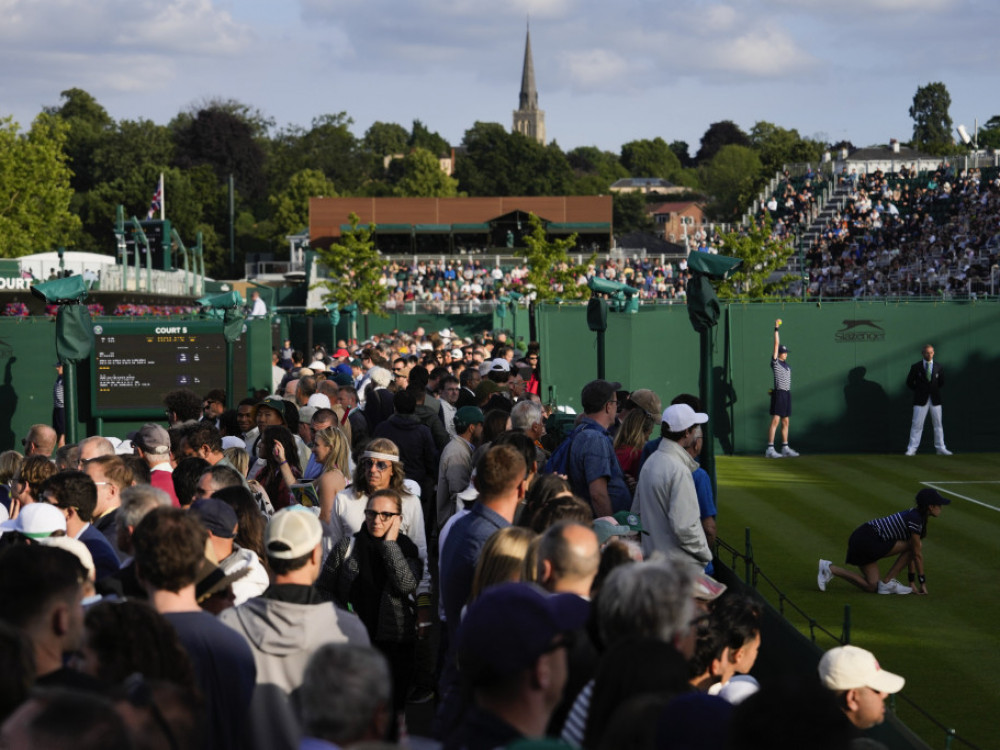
607,72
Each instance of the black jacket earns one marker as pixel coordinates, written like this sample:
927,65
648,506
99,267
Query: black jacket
923,388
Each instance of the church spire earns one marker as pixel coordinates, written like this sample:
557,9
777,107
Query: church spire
529,94
529,120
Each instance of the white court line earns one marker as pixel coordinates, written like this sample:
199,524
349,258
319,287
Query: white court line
969,481
935,486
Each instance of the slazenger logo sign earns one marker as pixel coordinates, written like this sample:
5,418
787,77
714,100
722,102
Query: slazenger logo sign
859,330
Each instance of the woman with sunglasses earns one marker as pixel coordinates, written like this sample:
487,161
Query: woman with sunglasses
381,469
375,573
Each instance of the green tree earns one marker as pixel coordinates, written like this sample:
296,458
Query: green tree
762,256
931,121
682,152
497,162
291,205
35,188
629,213
650,158
423,177
422,137
732,178
777,146
353,269
89,123
384,139
719,134
550,271
989,133
329,146
594,170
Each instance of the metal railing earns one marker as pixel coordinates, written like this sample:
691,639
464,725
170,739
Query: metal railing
159,282
754,577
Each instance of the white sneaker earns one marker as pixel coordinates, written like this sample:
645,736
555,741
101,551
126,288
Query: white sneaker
786,451
771,453
943,452
824,576
893,587
910,452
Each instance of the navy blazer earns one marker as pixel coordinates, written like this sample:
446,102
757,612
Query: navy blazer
923,388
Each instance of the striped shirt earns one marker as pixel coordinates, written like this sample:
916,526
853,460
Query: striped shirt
899,526
782,375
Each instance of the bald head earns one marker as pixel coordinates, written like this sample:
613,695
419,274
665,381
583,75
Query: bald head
95,446
40,441
568,558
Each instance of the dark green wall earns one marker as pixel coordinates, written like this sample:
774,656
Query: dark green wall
28,355
847,395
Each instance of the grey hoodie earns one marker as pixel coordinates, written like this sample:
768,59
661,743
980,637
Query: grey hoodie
283,636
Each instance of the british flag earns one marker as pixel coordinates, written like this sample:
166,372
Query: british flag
156,204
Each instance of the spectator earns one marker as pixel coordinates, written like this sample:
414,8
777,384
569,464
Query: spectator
169,548
591,465
345,697
75,494
455,468
500,479
376,573
859,683
41,590
152,444
221,523
183,407
512,650
111,476
665,497
40,441
287,624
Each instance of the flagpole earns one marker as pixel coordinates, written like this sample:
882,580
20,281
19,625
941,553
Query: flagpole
163,200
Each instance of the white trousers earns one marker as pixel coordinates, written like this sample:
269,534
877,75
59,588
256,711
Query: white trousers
917,426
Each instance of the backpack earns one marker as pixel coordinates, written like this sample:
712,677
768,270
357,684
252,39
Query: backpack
558,462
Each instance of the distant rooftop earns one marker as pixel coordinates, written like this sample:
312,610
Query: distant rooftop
641,182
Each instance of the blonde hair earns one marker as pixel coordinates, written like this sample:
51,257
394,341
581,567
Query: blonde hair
502,559
336,440
380,445
635,429
10,462
239,458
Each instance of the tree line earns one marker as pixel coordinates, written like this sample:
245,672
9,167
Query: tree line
62,179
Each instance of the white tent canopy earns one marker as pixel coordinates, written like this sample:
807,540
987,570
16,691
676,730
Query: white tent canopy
41,264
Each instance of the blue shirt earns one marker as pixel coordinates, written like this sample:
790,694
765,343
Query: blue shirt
313,469
459,556
592,456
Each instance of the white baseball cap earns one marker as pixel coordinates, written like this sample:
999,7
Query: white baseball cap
37,521
680,417
850,667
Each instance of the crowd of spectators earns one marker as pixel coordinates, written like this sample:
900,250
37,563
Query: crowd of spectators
906,233
437,285
392,530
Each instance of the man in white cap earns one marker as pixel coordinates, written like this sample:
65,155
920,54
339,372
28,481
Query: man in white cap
286,624
665,497
860,683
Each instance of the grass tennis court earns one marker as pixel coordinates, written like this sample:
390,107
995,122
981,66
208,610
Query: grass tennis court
946,643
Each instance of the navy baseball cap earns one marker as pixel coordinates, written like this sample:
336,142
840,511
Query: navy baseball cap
216,515
782,349
929,496
512,624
